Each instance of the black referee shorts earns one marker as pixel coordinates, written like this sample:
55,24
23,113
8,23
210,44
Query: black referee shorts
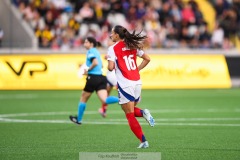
95,83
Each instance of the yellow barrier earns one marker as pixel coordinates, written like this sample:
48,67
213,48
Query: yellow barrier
186,71
41,72
164,71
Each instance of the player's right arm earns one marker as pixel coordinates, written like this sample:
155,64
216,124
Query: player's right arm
111,59
111,65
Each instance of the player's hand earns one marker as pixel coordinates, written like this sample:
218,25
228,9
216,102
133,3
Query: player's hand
85,71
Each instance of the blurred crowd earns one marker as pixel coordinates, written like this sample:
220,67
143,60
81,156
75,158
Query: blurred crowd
64,24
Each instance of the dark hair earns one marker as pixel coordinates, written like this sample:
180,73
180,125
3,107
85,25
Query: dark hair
132,40
92,40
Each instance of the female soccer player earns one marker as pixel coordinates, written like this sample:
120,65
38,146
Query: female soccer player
122,57
95,80
111,83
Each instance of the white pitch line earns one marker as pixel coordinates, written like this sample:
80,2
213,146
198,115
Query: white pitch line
210,110
199,119
34,114
117,112
185,119
19,96
53,113
116,123
7,118
199,124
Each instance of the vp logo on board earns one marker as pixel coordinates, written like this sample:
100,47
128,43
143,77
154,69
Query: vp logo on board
32,67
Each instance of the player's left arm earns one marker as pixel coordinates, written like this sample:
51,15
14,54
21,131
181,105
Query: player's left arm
145,60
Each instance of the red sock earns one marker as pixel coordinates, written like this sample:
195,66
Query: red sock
137,112
104,107
135,126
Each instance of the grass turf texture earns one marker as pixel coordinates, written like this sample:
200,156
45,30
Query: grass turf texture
190,125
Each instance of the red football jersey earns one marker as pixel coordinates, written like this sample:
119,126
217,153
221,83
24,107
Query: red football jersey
125,63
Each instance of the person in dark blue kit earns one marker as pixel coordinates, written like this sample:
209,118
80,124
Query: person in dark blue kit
95,80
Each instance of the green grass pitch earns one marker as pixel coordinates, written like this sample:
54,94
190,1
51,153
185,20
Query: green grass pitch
190,125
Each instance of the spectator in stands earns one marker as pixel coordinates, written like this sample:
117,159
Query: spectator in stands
217,36
188,14
49,20
164,12
28,12
204,36
66,44
220,6
197,13
228,16
37,21
42,7
184,37
88,23
18,2
55,44
229,24
59,4
45,37
152,26
168,23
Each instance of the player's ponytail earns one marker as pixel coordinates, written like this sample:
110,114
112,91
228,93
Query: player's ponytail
132,40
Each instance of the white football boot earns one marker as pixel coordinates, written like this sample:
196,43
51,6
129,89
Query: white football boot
143,145
149,118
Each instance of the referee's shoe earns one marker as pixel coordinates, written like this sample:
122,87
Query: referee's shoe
74,120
